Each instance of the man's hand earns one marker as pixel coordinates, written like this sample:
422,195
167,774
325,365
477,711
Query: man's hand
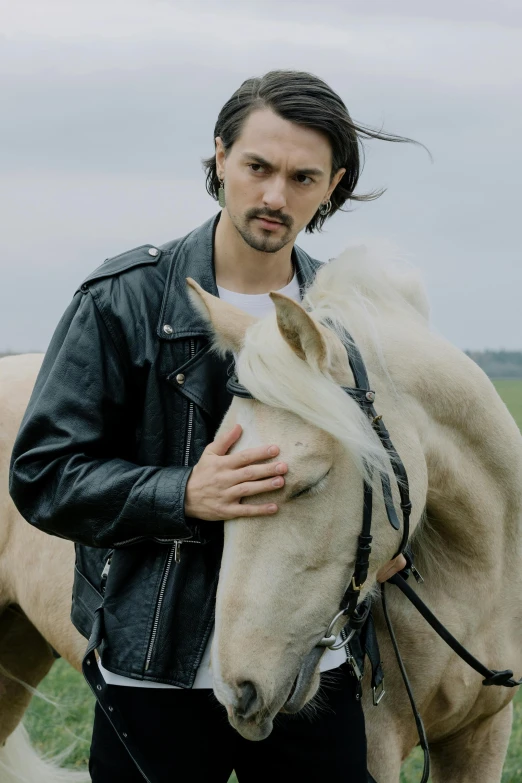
391,567
220,480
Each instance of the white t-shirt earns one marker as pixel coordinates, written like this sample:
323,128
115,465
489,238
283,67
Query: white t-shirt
257,305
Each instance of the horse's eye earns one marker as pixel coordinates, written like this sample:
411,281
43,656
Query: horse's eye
301,492
317,487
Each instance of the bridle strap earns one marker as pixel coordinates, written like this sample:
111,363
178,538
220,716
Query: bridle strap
365,397
491,676
401,478
235,388
352,594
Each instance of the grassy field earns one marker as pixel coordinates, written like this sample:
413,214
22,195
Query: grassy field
511,393
67,722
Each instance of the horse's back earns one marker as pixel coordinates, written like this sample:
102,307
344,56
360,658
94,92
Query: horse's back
17,378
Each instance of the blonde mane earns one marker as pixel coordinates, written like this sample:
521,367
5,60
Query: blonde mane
367,278
348,289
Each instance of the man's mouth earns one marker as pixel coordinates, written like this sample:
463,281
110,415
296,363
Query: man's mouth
269,223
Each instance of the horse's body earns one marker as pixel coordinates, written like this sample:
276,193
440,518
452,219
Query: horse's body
36,575
282,578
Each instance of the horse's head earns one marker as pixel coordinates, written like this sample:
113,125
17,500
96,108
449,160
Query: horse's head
282,577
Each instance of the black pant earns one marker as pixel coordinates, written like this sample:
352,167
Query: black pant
187,737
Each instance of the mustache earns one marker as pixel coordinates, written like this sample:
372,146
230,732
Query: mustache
286,220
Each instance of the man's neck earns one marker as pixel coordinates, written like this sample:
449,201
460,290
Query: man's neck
244,270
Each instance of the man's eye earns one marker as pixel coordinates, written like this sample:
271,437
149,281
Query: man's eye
257,168
303,179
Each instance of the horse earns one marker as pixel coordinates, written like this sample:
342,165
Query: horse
282,578
36,579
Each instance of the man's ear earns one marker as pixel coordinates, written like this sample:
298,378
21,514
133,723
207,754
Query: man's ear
300,331
229,323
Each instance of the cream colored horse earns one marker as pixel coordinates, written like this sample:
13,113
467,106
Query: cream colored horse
282,578
36,574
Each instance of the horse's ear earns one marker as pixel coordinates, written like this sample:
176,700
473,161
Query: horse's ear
300,331
228,322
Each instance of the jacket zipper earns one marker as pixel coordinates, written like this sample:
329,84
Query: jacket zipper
105,572
175,550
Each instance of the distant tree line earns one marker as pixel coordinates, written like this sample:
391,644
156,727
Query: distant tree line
496,364
499,364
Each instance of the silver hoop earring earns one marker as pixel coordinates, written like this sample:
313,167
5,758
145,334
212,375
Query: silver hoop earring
325,208
221,193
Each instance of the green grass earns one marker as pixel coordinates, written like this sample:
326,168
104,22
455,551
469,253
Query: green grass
511,393
55,728
67,723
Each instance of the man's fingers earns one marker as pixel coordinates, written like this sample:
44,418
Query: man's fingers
392,567
256,472
248,456
237,510
249,488
224,442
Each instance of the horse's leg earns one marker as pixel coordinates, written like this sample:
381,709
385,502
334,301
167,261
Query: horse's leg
24,656
385,747
385,768
477,752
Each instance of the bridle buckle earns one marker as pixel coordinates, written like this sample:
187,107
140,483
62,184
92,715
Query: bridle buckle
378,693
355,587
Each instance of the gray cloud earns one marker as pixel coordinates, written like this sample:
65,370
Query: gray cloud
108,108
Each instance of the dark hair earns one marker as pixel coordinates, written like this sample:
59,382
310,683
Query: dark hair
305,99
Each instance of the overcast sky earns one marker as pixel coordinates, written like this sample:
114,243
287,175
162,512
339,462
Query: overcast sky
108,107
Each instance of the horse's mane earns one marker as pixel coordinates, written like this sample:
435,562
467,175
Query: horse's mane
367,277
352,287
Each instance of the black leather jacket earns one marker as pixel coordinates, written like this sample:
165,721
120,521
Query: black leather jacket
128,396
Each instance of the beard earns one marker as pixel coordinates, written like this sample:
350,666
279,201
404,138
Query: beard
263,239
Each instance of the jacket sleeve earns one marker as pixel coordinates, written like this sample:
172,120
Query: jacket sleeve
66,476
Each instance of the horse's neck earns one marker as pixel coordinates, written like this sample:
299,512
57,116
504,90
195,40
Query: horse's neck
473,453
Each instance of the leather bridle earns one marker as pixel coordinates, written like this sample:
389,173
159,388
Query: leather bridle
356,612
364,396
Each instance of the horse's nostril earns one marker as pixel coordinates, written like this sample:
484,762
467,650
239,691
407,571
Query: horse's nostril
246,700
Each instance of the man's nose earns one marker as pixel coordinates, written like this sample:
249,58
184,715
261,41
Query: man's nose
275,197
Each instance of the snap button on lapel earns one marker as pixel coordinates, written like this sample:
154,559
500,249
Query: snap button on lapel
153,251
180,378
167,328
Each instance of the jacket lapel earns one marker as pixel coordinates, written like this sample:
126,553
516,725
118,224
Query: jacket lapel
202,378
193,257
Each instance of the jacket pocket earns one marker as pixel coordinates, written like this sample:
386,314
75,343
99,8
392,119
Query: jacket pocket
87,586
86,599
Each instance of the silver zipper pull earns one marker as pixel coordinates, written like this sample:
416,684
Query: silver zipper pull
417,575
105,573
353,663
177,551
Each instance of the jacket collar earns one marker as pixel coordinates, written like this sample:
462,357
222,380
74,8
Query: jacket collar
193,256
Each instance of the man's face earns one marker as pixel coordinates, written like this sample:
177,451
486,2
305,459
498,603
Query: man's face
276,175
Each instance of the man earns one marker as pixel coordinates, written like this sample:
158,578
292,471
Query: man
117,451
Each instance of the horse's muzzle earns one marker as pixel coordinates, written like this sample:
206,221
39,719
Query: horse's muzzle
299,694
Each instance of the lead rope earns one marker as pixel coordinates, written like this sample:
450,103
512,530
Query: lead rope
423,740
